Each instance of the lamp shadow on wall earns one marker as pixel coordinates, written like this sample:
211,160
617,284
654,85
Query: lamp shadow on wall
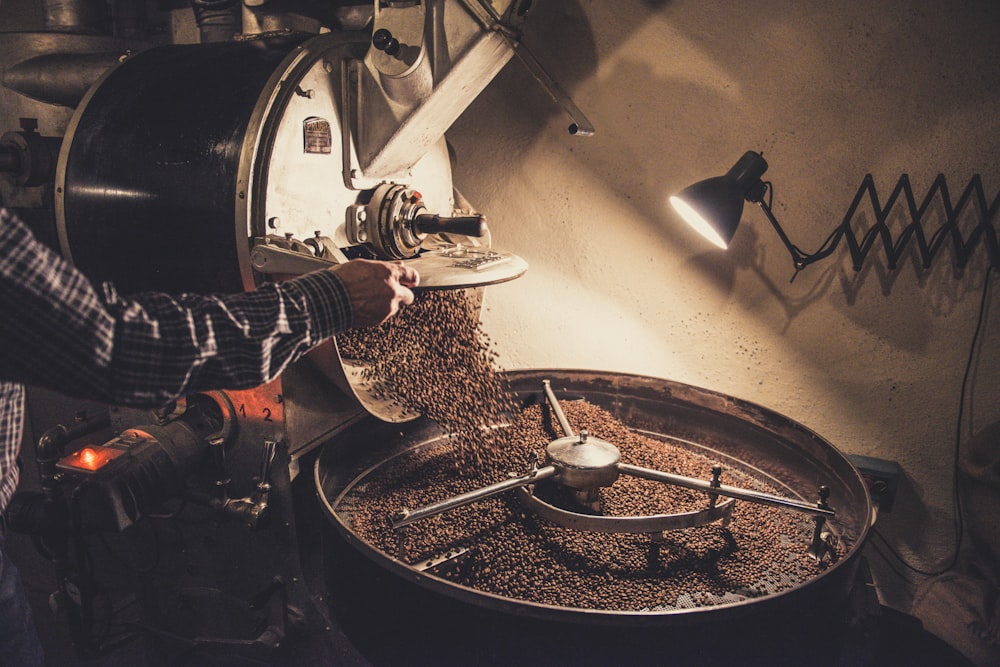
752,251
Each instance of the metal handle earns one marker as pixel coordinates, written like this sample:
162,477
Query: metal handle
469,225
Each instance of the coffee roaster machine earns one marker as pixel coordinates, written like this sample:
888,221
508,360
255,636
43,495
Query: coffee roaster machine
292,137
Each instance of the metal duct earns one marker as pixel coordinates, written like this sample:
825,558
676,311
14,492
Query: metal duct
87,17
218,20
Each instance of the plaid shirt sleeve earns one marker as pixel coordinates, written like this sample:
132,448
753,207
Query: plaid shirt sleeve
60,331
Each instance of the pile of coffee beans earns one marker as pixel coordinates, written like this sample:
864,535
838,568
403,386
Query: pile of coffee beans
434,358
513,553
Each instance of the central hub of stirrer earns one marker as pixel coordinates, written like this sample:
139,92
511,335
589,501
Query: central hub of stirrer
583,462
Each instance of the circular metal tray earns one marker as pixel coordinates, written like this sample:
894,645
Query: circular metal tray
744,436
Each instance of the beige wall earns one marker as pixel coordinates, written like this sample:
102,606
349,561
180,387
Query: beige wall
872,361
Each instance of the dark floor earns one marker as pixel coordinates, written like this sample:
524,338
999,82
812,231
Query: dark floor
403,632
39,580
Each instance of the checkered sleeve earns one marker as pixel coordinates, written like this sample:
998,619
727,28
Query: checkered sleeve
61,332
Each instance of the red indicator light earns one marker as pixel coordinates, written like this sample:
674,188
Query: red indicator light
89,459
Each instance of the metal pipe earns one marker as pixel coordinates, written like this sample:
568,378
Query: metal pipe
130,19
406,517
218,20
59,78
723,490
85,17
488,17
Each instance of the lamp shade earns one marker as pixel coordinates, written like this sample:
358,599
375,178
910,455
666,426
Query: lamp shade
714,206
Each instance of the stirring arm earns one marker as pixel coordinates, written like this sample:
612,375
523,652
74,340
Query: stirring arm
406,517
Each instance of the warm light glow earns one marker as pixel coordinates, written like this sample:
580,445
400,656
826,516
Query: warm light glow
695,219
88,458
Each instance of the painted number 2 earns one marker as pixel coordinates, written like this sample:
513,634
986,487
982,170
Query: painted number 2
264,411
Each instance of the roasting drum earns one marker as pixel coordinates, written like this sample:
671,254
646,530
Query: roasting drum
735,432
184,158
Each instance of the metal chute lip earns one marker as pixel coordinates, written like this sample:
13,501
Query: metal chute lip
445,269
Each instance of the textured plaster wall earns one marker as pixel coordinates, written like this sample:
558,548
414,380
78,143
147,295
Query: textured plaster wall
872,361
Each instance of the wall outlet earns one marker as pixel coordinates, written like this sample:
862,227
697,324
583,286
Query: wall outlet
882,478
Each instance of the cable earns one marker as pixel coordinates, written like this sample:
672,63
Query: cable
890,557
898,557
956,495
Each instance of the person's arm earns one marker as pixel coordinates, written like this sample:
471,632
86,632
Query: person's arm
60,332
163,346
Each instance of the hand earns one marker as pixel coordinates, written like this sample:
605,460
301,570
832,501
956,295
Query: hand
377,289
